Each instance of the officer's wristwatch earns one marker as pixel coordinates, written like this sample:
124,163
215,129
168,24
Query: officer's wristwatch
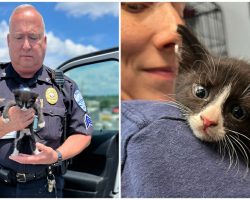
59,159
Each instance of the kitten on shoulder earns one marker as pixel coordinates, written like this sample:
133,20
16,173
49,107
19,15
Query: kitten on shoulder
214,95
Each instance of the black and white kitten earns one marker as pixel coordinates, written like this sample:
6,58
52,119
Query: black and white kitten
25,99
214,93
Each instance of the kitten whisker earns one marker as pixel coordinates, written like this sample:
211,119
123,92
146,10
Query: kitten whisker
235,142
218,65
224,149
240,144
213,65
234,151
220,148
238,133
246,92
179,105
235,78
243,144
239,140
184,110
227,73
229,154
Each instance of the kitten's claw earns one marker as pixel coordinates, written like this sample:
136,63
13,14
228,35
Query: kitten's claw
41,125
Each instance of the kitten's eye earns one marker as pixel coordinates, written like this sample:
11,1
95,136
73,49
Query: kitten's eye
200,91
238,112
134,7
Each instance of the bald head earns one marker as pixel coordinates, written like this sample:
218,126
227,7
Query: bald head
26,40
26,10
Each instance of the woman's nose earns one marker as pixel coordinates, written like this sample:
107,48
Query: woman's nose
165,36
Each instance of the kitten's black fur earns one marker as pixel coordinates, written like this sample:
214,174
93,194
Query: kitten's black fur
199,67
25,140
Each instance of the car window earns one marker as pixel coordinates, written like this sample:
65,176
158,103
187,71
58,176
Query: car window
99,85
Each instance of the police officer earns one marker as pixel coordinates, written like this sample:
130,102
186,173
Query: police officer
37,175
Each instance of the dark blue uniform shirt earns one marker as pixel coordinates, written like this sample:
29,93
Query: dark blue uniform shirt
52,133
161,157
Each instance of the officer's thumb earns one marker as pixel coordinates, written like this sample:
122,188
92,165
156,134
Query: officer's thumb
40,146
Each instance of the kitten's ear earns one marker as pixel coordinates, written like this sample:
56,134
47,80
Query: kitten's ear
35,94
16,93
189,40
191,48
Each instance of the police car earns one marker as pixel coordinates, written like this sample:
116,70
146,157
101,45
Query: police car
94,172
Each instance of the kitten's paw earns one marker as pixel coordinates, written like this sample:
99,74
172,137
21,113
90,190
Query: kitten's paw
5,120
41,125
15,152
36,151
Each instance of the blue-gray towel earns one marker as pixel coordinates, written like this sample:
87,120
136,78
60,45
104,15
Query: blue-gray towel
160,157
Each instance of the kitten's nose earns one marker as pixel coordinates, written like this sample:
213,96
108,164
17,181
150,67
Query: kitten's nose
208,123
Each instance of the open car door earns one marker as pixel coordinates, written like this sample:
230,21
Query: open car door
94,172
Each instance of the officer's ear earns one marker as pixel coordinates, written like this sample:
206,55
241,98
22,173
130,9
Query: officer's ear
45,41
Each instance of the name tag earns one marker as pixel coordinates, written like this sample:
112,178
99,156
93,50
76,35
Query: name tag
10,135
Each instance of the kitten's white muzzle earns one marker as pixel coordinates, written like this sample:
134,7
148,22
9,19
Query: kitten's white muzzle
24,109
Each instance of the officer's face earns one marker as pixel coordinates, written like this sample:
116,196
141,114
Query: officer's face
27,43
148,38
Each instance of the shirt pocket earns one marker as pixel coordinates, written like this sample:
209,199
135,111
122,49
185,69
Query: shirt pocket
52,132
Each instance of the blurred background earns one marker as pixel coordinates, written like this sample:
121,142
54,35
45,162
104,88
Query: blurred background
224,27
72,28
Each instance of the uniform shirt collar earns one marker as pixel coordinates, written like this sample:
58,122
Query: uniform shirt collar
9,72
40,75
44,75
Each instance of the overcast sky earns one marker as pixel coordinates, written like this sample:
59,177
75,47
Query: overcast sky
72,29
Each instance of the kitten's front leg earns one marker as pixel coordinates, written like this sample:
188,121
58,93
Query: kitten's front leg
5,115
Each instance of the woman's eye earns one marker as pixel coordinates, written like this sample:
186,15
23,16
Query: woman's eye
134,7
238,112
200,91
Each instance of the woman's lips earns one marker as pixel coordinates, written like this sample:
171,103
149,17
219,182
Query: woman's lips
163,72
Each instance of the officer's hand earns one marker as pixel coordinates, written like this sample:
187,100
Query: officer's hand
46,156
20,119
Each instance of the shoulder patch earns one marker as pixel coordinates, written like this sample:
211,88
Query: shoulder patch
79,100
88,121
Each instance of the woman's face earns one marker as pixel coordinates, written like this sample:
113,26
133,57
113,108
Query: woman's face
148,39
